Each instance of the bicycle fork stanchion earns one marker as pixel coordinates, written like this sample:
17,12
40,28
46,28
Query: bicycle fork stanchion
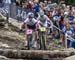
44,41
40,34
40,40
28,43
29,37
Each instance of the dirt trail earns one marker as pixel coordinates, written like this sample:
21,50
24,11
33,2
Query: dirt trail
70,58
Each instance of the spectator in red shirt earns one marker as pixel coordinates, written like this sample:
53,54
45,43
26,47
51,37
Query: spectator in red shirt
29,5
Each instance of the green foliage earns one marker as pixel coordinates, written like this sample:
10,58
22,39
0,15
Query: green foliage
70,2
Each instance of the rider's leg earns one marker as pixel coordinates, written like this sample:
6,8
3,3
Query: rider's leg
26,35
36,32
25,39
36,38
36,35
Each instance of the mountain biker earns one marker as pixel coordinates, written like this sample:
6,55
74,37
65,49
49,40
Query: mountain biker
31,23
44,20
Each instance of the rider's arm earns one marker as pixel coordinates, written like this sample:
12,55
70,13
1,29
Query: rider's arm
38,18
23,24
50,22
37,24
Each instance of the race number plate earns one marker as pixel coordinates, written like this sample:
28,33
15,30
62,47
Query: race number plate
29,31
42,29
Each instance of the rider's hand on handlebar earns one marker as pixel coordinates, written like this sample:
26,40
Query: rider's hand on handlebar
20,29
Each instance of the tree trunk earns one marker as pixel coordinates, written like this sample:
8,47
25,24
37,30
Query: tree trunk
35,54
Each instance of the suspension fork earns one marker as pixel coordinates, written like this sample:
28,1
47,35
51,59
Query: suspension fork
29,39
44,40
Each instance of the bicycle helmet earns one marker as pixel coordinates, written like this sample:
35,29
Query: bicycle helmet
41,13
30,15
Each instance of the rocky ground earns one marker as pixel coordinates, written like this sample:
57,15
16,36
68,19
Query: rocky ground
10,37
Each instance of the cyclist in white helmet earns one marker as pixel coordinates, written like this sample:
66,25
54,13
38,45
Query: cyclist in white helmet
31,23
44,20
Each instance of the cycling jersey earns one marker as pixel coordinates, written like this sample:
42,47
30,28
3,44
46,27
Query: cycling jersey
43,20
31,24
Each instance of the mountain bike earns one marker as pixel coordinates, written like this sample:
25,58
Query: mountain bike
42,37
29,33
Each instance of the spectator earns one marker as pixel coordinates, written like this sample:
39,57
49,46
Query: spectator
7,1
73,9
36,9
68,30
45,3
47,12
25,5
41,5
73,29
56,20
61,26
29,5
19,3
70,17
50,4
1,3
61,22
